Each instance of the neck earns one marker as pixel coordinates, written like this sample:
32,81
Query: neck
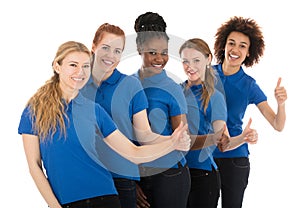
196,82
144,73
99,76
69,95
230,69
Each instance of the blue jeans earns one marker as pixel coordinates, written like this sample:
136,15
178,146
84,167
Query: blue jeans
234,174
205,188
127,192
168,189
108,201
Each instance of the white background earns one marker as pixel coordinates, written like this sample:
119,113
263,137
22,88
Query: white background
32,30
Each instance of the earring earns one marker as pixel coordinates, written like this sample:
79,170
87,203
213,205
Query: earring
207,66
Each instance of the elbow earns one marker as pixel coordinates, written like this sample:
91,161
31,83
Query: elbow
136,161
280,129
279,124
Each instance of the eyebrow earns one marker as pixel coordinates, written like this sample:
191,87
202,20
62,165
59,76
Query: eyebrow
110,46
73,62
76,62
235,41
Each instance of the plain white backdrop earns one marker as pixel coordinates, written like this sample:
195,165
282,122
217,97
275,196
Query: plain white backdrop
32,30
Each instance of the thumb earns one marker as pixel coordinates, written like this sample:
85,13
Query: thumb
278,82
249,123
179,128
222,130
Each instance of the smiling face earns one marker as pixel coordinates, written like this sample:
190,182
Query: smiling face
236,49
74,72
154,55
194,64
108,52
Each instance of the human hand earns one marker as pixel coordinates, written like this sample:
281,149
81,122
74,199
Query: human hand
280,93
250,135
141,198
180,138
224,143
222,139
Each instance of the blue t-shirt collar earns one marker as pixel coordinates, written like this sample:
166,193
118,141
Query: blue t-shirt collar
235,76
114,78
157,78
193,87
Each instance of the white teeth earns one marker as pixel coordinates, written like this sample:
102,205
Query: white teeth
78,79
234,56
191,72
107,62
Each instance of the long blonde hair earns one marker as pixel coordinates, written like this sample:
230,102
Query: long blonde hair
209,82
46,105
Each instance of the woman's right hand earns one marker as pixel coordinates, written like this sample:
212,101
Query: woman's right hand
141,198
181,139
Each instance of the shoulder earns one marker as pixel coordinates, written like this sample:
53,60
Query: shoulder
217,93
132,79
249,79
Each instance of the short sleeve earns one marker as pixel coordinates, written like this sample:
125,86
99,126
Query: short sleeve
178,103
25,124
218,107
105,122
256,95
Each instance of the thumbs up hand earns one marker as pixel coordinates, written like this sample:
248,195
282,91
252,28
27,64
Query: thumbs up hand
251,136
280,93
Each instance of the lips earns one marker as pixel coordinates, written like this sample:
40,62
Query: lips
107,62
232,56
191,72
78,79
157,65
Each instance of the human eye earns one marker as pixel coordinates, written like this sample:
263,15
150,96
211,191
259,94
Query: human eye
185,62
105,48
118,51
73,65
243,46
196,61
86,66
152,53
165,53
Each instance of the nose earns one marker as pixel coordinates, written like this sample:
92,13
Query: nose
110,53
80,69
234,48
158,57
188,66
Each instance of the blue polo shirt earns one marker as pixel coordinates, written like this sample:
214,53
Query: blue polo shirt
240,91
72,164
121,96
200,123
165,99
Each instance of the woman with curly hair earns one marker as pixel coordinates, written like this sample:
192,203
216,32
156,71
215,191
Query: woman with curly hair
239,42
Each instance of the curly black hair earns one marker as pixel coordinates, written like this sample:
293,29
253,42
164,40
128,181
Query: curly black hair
248,27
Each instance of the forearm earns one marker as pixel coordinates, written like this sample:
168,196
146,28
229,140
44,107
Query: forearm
138,154
149,137
148,153
280,118
201,141
44,187
235,142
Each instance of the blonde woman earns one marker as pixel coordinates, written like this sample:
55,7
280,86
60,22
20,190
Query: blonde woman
60,129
